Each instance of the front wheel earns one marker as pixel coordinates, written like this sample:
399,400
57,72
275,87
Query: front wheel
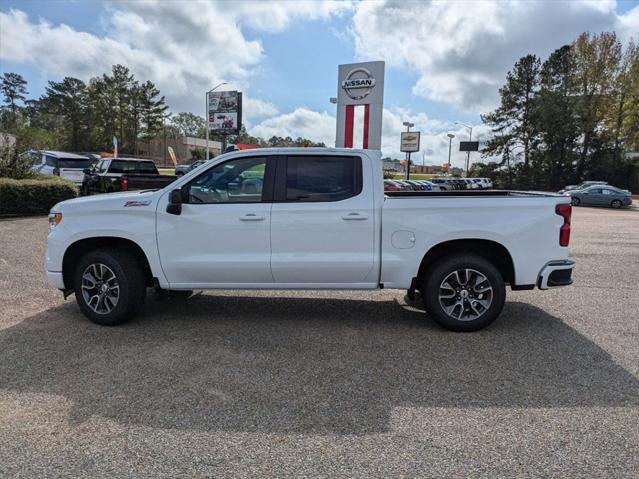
575,201
110,287
464,292
616,204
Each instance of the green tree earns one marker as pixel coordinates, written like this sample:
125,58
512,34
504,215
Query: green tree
513,121
555,117
68,100
597,61
14,89
153,110
188,124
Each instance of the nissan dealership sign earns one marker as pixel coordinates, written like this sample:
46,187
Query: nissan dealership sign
360,86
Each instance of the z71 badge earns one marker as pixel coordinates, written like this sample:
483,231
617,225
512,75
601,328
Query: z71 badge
137,203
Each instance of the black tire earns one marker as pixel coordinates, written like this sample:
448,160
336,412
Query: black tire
575,201
130,280
440,271
616,204
173,295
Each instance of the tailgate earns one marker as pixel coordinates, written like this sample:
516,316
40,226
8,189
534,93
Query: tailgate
73,174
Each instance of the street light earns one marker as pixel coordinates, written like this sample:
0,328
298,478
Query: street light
408,126
206,115
450,144
470,138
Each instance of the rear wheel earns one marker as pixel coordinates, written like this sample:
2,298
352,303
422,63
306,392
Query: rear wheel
575,201
110,287
464,292
616,204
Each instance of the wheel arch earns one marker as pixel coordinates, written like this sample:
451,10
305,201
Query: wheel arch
490,250
78,249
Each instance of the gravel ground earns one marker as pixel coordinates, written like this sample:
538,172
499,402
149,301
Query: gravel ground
252,384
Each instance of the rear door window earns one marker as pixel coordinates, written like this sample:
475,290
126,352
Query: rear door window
322,178
141,167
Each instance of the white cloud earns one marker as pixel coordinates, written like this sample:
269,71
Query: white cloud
309,124
184,47
320,126
462,50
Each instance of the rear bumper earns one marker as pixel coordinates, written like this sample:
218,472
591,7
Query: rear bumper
556,273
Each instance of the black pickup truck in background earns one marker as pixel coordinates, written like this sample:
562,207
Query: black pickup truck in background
123,174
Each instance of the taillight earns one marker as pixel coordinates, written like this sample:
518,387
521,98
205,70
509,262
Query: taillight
125,183
564,210
56,171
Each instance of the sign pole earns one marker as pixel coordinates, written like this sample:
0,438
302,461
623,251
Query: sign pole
206,114
470,138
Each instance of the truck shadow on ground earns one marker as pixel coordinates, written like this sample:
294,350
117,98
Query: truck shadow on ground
301,365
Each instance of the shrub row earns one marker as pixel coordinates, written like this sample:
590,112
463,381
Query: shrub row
33,196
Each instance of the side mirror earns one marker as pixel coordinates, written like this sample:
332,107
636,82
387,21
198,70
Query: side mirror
87,171
175,202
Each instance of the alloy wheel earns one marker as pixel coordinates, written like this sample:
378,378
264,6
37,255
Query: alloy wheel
465,294
100,288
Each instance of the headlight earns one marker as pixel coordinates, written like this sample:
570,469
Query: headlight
54,220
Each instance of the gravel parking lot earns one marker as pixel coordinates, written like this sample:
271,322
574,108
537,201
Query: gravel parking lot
325,384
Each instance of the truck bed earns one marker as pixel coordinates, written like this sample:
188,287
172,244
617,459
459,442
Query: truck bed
471,193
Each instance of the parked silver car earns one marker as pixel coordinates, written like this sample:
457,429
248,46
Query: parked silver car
582,185
601,195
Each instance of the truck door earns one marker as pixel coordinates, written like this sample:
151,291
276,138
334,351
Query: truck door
323,222
222,235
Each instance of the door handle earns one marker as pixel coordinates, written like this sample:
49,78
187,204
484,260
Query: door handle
354,217
251,217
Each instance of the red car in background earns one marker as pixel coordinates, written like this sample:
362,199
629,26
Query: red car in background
390,185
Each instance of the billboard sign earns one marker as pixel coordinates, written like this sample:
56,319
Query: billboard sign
468,146
409,142
225,112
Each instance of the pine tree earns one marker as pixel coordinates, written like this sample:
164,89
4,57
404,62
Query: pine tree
555,118
513,121
14,89
153,110
68,100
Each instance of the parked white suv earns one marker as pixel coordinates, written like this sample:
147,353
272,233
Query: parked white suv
65,165
307,218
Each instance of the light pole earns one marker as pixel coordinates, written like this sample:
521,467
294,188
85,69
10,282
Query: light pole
450,145
206,116
470,138
408,125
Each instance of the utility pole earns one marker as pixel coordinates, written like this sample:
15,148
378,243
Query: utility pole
206,117
408,124
450,145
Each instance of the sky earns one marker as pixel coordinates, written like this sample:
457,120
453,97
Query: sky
445,61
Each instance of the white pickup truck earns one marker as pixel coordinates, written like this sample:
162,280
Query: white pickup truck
307,218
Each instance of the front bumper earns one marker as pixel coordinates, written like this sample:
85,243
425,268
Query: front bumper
556,273
55,279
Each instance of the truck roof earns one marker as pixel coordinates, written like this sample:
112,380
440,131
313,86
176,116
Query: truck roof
129,159
302,150
64,154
